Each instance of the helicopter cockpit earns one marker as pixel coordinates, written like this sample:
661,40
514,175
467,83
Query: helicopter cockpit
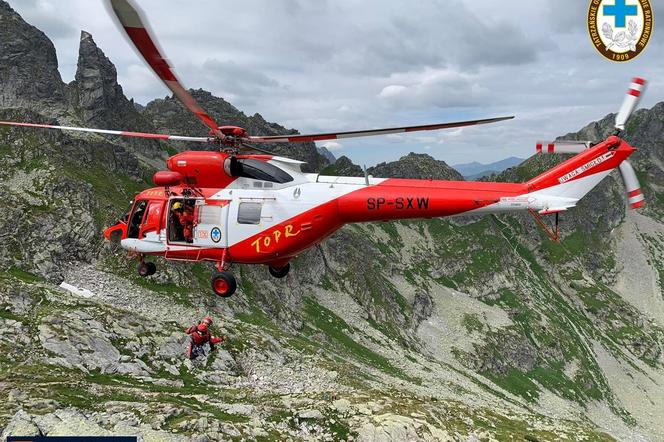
135,219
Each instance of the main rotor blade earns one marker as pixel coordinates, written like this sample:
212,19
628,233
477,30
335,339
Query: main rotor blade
630,102
129,17
634,195
368,133
247,146
111,132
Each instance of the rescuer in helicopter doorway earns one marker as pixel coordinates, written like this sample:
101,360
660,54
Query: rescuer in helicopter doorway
184,215
200,335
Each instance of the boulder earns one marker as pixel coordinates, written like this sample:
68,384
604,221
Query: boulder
21,424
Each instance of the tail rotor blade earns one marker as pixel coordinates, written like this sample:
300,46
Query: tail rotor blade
634,195
631,101
562,146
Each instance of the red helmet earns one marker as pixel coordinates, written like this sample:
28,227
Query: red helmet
202,328
207,320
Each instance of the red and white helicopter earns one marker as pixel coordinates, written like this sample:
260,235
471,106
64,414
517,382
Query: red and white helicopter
262,209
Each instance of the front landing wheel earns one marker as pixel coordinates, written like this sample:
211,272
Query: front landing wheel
146,269
224,284
279,273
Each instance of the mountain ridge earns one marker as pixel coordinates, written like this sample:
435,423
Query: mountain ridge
475,170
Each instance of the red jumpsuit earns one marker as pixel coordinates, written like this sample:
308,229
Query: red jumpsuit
199,339
186,219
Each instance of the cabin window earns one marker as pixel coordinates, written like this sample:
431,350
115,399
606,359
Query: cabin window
256,169
209,215
249,213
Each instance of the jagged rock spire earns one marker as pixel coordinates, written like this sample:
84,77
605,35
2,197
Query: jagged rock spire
97,92
100,101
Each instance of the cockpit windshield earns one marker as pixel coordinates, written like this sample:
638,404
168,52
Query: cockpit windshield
257,170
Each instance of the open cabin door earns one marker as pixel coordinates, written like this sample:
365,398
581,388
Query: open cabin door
211,223
204,225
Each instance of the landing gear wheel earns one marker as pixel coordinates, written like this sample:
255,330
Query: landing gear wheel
146,269
224,284
280,273
152,268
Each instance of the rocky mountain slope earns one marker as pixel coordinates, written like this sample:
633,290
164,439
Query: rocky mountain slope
460,329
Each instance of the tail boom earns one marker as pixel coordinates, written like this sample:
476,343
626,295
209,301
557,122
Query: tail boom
557,189
410,199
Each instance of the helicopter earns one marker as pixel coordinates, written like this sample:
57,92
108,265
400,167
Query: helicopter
240,204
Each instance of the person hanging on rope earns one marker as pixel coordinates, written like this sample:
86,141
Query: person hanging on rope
200,335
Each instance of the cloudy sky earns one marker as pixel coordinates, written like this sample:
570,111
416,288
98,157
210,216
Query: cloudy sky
327,65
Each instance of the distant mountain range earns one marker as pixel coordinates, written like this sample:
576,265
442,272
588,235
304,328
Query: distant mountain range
475,170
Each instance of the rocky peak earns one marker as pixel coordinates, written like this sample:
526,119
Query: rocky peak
343,166
100,100
416,166
29,76
98,93
327,154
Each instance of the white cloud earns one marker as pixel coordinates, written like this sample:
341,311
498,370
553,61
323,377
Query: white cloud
392,91
325,66
50,18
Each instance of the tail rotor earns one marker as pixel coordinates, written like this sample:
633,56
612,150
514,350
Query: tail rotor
635,197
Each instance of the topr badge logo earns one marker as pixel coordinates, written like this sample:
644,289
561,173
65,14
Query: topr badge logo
620,29
215,234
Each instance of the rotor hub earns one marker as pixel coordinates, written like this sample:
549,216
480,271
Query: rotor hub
232,131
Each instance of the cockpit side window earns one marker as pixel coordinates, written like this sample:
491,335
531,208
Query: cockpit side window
136,218
257,170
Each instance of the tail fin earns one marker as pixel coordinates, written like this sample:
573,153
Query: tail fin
580,174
